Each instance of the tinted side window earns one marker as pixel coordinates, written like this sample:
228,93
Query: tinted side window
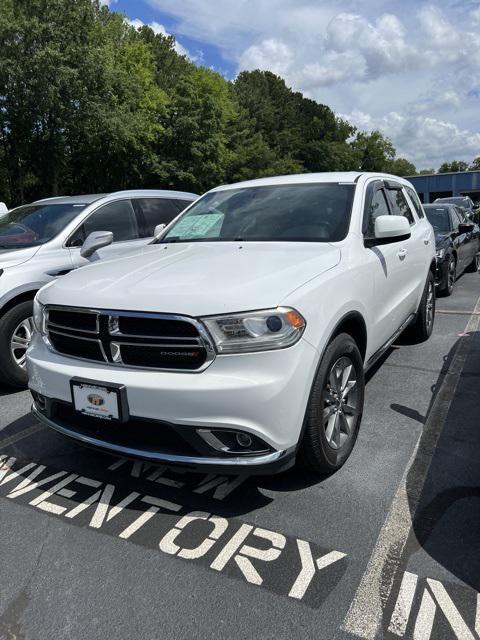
117,217
400,205
416,202
182,204
157,211
454,218
378,207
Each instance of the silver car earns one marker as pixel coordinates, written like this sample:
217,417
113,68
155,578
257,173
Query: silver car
48,238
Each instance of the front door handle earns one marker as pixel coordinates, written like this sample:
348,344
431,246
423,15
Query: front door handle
402,253
426,241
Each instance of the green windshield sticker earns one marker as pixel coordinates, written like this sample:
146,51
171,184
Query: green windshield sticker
200,226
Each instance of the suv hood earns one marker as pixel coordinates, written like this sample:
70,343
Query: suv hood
13,257
196,279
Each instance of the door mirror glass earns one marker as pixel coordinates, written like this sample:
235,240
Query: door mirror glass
96,240
390,229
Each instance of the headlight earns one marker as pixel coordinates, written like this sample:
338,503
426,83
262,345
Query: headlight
38,315
440,253
256,330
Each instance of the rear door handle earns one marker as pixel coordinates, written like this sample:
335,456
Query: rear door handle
402,253
426,241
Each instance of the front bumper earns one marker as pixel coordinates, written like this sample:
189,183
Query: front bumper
263,394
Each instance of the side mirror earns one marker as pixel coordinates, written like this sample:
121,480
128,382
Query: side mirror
95,240
158,229
465,227
3,208
389,229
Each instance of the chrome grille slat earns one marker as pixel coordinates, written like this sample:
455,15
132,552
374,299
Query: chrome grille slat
154,350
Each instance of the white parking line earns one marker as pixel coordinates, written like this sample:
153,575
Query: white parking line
365,614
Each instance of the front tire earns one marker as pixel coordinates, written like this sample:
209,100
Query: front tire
335,408
451,277
422,328
16,328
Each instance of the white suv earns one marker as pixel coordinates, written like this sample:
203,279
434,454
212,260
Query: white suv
239,339
48,238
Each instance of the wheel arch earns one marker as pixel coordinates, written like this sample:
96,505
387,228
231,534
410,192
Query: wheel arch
18,298
354,324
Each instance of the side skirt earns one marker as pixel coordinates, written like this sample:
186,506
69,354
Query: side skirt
378,354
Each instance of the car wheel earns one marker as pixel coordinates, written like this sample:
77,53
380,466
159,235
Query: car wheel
335,408
451,277
16,329
422,328
474,265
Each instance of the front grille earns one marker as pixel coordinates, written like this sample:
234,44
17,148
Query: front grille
75,346
143,340
154,327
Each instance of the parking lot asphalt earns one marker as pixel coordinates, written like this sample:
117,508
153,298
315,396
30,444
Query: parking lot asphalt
93,546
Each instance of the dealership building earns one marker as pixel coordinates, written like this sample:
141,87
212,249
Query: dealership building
444,185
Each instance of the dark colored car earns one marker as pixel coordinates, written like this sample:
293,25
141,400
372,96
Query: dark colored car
465,202
457,243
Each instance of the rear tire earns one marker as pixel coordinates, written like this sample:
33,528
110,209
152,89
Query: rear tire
422,328
335,407
474,265
18,322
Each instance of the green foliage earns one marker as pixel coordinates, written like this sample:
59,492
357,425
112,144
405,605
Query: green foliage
456,165
475,166
402,167
88,103
373,152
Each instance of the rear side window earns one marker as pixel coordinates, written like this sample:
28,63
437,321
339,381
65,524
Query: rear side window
415,201
400,205
158,211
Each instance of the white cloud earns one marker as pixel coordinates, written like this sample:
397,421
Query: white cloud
404,64
422,139
160,29
107,2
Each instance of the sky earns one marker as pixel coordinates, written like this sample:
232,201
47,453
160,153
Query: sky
410,68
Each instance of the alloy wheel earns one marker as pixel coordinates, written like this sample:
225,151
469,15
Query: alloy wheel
21,338
451,274
340,403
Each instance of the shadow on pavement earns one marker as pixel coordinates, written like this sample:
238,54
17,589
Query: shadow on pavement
446,521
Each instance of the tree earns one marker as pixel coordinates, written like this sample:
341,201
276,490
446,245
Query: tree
373,151
426,172
456,165
79,107
402,167
475,166
193,152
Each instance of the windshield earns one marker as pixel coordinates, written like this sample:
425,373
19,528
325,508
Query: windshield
280,213
35,224
460,202
438,218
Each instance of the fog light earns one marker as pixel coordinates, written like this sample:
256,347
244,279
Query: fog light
40,401
244,440
233,442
